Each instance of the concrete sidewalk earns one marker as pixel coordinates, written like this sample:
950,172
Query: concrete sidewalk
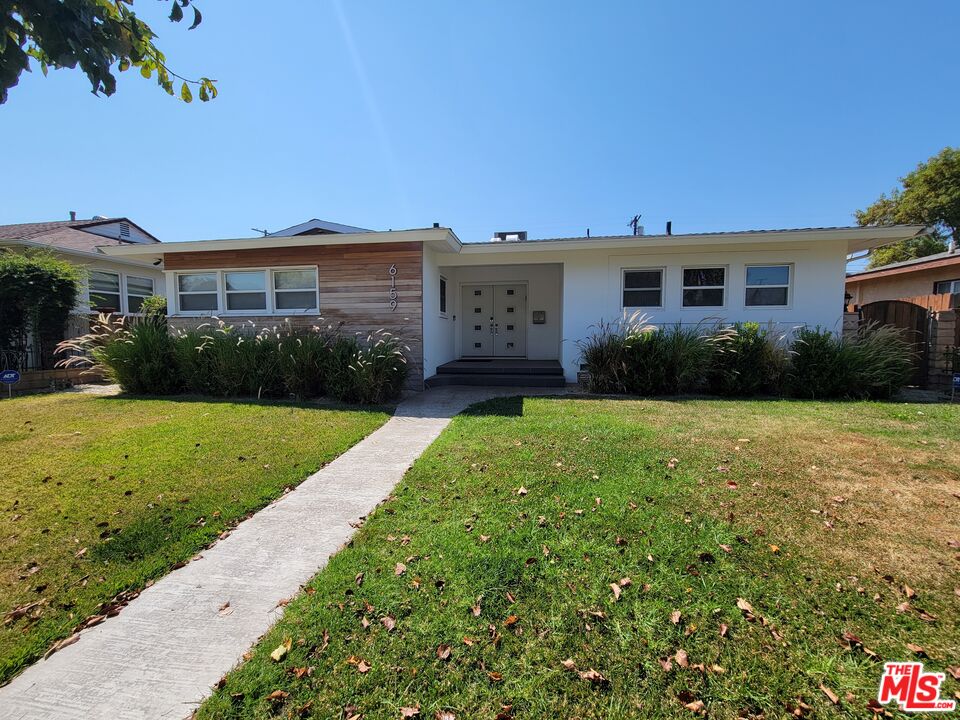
162,654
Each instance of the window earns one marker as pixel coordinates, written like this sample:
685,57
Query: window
105,291
295,290
138,289
767,285
703,287
946,286
443,295
642,288
197,292
246,290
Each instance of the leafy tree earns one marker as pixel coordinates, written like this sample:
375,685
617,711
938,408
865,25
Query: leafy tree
37,293
930,195
93,34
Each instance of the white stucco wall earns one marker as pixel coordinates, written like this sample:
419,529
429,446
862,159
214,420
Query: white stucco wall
590,287
123,269
438,330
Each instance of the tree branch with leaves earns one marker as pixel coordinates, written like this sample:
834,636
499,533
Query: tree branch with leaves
930,195
94,35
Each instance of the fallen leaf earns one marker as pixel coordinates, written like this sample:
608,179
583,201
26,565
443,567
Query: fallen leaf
666,663
521,490
399,569
724,629
569,664
278,695
616,591
281,650
443,652
831,695
593,676
744,605
681,658
495,676
512,620
675,617
909,592
406,712
444,715
696,706
954,672
917,649
389,622
359,579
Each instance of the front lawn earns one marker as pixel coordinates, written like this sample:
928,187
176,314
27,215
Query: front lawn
619,558
101,495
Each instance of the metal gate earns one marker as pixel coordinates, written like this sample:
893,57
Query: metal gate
914,320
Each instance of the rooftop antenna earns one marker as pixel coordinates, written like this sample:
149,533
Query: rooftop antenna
635,224
265,232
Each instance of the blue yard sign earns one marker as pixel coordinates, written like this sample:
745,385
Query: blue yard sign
9,377
956,381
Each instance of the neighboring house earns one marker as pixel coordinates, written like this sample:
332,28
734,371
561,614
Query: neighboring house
510,299
931,275
116,285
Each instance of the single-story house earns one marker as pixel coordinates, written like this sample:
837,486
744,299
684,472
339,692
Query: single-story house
113,284
937,274
509,303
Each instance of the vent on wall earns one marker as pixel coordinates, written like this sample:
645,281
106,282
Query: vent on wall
124,231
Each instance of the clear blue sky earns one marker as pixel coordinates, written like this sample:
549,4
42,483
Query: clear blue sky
544,115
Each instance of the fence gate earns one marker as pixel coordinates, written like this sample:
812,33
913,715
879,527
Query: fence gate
914,319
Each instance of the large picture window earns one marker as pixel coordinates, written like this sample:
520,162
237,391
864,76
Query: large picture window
704,287
197,292
767,285
642,288
105,291
295,290
138,289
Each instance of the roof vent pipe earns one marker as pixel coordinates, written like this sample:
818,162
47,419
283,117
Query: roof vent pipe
669,227
73,215
436,225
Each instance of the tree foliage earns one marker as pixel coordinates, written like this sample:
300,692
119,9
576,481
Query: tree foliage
94,34
37,293
930,195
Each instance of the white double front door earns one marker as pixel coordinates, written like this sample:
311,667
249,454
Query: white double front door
494,320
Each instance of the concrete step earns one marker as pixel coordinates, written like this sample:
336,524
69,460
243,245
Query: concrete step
496,380
523,367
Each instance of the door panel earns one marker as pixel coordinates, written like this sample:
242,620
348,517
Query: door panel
509,320
476,314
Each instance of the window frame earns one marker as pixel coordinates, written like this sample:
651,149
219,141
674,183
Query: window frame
623,287
119,293
954,286
789,286
222,288
127,294
724,288
443,287
221,292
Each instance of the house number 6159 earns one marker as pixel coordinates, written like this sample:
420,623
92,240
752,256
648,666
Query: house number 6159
393,287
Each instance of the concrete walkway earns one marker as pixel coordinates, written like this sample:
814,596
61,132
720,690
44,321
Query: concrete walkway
162,654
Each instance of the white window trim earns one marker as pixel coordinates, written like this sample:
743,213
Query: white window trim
623,287
121,290
724,287
954,286
221,292
127,293
788,286
445,283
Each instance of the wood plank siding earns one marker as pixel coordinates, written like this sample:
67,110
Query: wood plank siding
354,287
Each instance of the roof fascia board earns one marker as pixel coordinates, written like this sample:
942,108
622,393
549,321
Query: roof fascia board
443,238
78,253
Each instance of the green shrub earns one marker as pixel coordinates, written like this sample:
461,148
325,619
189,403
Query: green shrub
154,309
37,293
748,360
142,360
377,370
873,364
227,361
603,357
632,356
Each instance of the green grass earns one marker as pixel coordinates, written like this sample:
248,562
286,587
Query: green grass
602,503
102,495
